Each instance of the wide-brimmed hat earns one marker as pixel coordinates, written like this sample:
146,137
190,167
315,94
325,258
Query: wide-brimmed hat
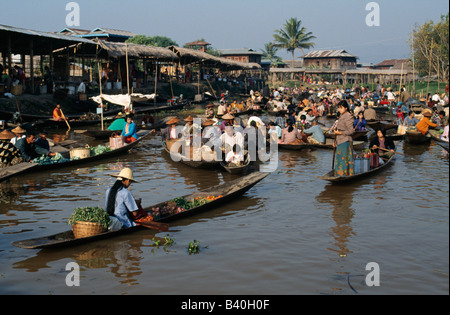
208,122
172,121
6,135
126,173
19,130
189,118
427,112
209,105
227,116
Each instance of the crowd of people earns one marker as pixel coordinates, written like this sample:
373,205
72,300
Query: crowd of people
18,146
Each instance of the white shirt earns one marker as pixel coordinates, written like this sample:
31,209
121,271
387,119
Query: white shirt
234,157
82,88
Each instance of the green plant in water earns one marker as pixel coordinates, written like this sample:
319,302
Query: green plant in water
90,214
194,247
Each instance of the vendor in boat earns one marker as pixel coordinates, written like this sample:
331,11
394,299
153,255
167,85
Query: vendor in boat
58,114
211,134
120,203
129,130
343,163
380,144
29,150
425,122
9,154
118,124
227,119
290,134
315,133
410,120
209,111
19,134
42,141
235,157
360,123
171,130
370,114
188,129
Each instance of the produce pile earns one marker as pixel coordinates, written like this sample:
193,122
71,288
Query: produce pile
90,214
179,205
46,160
100,149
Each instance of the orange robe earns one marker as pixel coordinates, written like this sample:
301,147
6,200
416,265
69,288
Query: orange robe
424,124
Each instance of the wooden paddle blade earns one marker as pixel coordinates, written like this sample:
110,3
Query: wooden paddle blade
154,225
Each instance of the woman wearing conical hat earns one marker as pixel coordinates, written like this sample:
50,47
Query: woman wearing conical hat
120,203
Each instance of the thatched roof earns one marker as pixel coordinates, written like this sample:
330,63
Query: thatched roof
188,56
119,50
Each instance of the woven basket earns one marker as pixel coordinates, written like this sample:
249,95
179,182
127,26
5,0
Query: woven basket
86,229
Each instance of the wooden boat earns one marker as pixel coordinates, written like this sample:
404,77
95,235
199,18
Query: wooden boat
436,136
18,169
339,179
444,145
357,135
190,161
357,145
416,137
229,191
377,124
236,169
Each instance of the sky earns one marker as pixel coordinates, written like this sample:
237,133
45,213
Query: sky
235,24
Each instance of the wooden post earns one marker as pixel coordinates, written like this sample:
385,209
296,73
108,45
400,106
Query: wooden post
128,73
156,81
429,68
32,67
401,79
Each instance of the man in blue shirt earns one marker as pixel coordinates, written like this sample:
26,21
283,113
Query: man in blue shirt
316,133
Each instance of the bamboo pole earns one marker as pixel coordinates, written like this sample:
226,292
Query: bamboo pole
156,82
101,92
401,80
128,74
429,69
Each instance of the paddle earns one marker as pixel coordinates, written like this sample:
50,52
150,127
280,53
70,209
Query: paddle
334,153
65,119
390,151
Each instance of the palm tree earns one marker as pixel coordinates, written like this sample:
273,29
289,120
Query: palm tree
293,36
270,52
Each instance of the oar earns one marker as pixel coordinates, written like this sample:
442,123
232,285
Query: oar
154,225
65,119
390,151
334,153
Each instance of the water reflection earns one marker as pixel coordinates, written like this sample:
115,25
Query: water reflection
341,199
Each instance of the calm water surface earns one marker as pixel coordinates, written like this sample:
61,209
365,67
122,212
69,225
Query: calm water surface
290,234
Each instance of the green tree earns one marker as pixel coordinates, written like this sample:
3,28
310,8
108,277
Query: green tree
293,36
270,52
430,48
157,41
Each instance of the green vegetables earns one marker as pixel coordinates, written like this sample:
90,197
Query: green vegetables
90,214
46,160
100,149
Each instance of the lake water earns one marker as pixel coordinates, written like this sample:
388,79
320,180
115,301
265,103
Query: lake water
291,234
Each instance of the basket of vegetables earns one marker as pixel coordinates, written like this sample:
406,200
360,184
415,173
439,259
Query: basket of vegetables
89,221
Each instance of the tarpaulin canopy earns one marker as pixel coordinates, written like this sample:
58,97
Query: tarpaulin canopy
125,100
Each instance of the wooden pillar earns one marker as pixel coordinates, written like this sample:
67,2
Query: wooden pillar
9,49
32,67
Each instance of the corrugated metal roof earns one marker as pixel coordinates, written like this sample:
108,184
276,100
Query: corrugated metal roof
42,34
328,54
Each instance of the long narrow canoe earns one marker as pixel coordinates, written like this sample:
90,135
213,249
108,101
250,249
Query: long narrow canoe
18,169
444,145
357,145
377,124
339,179
190,161
356,135
229,191
416,137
